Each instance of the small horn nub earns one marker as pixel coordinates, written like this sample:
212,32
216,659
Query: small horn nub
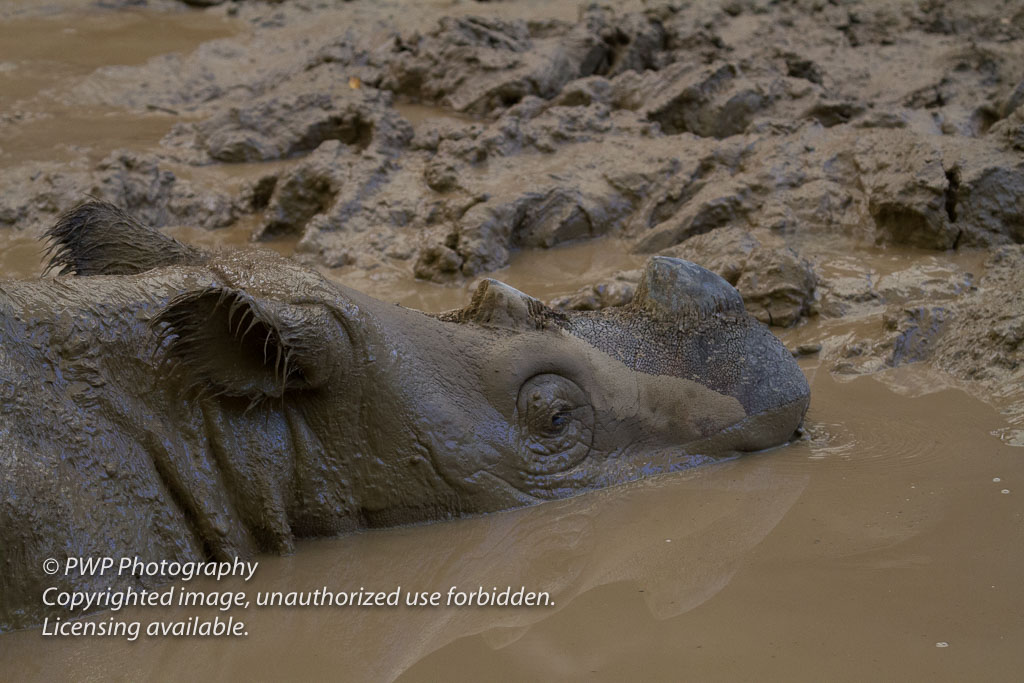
496,304
673,289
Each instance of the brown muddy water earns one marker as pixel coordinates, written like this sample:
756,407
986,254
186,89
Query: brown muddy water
885,545
41,55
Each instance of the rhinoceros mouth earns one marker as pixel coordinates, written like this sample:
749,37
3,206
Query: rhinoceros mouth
763,431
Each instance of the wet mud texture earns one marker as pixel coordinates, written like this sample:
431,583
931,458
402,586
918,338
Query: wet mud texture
853,168
760,139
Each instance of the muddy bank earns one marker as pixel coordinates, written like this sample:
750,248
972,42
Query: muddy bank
757,139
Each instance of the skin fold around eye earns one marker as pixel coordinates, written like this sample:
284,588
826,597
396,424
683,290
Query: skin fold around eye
556,423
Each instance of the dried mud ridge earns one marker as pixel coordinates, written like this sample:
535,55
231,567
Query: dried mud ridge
777,143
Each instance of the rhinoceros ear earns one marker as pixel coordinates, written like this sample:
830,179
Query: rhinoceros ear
97,238
496,304
672,289
228,343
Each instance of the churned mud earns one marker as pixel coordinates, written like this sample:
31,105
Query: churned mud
854,169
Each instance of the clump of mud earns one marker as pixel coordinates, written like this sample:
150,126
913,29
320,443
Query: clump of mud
851,161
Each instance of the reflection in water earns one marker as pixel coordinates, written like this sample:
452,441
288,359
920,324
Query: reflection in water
676,558
884,554
843,547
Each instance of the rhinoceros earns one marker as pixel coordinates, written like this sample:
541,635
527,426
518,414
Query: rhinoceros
165,402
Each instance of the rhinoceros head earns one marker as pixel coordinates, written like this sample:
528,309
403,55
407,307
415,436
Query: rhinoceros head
355,412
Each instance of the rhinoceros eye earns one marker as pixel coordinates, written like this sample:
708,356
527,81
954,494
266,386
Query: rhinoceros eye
559,421
556,423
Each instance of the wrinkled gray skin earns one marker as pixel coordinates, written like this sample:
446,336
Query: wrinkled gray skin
161,402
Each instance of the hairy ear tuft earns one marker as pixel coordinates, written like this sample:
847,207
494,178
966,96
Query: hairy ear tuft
97,238
228,343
